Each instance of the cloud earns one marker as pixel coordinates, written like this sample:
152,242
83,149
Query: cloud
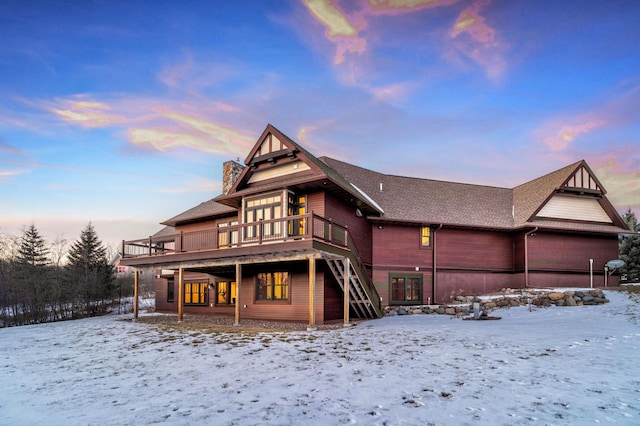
620,174
621,110
569,132
162,126
331,17
7,175
470,35
86,113
481,44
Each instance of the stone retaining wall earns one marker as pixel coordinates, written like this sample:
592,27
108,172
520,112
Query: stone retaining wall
464,304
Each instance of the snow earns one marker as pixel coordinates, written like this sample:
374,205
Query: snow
557,365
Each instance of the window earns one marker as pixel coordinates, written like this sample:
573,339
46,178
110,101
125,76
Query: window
228,234
226,293
194,293
170,290
406,289
297,205
425,236
263,209
272,286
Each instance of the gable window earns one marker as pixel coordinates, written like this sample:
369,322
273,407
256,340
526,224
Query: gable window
261,211
272,286
405,289
425,236
195,293
226,293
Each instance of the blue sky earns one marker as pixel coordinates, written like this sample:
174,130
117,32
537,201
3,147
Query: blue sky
122,113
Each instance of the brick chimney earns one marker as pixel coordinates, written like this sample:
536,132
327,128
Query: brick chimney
230,172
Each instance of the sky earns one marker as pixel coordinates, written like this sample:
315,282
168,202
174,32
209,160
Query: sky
121,113
405,370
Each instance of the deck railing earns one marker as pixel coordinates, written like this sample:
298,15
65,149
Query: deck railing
248,234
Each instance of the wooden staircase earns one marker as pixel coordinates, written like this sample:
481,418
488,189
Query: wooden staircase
363,297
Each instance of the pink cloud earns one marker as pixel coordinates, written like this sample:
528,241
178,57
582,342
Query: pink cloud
619,172
569,132
86,113
161,127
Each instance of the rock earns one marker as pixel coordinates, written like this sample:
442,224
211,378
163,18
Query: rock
416,311
570,301
450,311
556,295
587,298
392,313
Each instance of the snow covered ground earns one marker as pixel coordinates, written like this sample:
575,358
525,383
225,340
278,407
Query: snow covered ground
558,365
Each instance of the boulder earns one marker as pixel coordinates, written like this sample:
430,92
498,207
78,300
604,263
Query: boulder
556,295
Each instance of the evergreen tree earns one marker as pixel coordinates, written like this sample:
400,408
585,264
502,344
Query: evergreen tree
629,249
32,270
89,271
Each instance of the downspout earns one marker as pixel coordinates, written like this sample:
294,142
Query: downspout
434,264
526,256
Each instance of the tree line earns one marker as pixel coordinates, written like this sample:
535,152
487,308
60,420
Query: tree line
42,282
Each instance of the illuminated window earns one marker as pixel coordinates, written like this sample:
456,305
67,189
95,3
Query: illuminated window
297,206
195,293
425,236
226,293
272,286
406,289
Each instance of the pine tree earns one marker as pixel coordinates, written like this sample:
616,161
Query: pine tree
629,249
32,271
89,271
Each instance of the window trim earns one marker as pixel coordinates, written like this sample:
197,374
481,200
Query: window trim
228,296
406,276
421,236
283,301
205,293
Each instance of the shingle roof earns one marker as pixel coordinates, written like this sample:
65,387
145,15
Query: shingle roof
528,197
202,210
428,201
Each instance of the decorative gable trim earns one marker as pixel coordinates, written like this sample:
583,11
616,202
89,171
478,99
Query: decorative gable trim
583,180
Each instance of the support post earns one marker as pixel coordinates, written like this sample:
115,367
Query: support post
180,293
312,291
238,285
591,273
136,286
346,286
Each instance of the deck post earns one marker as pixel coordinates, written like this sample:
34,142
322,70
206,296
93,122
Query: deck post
180,293
312,291
346,291
136,286
238,281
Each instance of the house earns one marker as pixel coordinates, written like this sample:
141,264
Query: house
300,238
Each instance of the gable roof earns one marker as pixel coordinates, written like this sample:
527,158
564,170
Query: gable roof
402,199
530,196
293,149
